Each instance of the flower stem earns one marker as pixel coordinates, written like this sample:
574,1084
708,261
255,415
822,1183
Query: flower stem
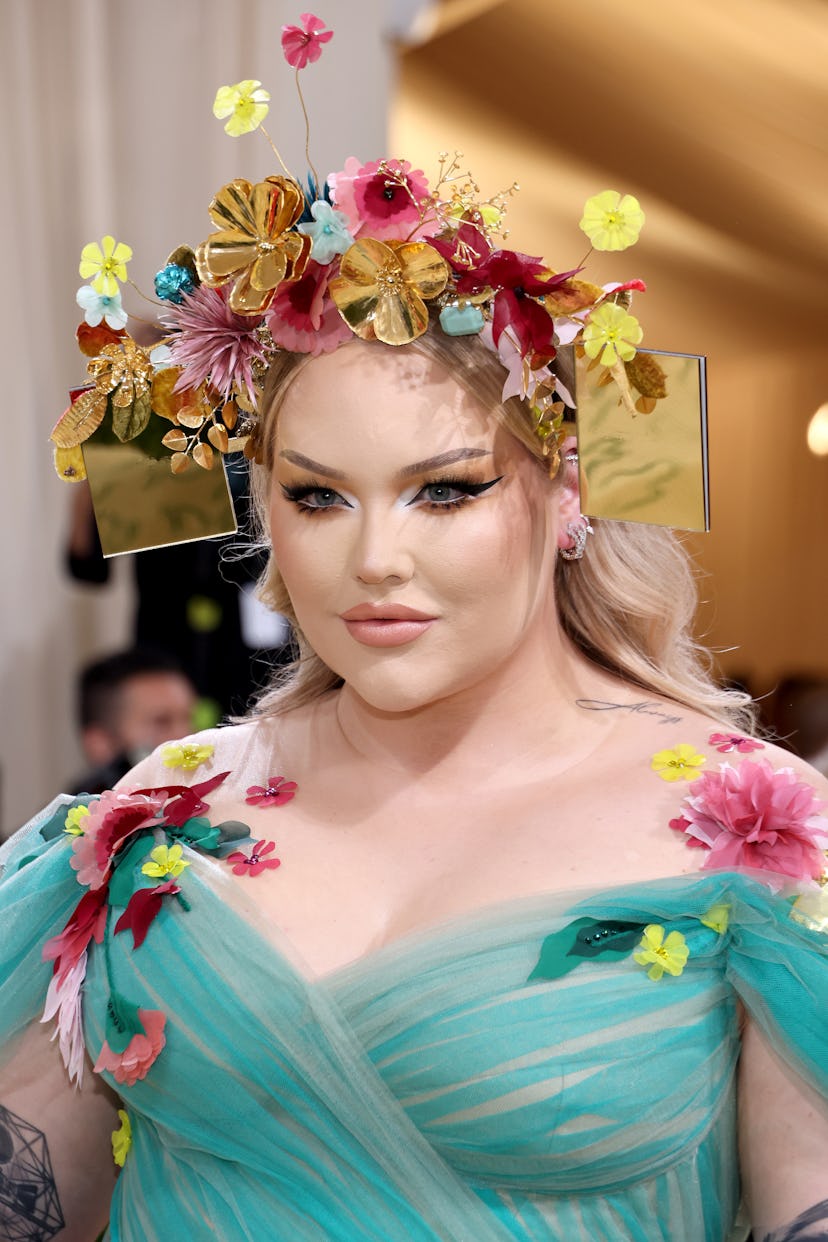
285,168
307,134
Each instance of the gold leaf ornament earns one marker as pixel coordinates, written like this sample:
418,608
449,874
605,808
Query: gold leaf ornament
175,440
80,420
256,246
69,463
574,296
169,402
203,456
382,288
217,435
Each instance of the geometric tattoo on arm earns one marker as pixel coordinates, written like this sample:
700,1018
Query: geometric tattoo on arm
29,1206
810,1226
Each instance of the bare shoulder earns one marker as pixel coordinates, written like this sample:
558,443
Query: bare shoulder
196,757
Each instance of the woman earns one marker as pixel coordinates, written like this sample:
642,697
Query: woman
419,951
366,1042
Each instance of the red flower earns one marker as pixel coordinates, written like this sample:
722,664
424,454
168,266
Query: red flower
140,1053
725,742
275,793
304,46
757,817
255,862
465,250
87,922
142,908
300,318
518,280
381,199
112,818
183,802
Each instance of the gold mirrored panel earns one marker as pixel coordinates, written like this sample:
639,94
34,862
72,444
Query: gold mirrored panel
645,467
139,503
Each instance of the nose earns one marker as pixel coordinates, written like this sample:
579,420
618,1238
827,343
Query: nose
379,553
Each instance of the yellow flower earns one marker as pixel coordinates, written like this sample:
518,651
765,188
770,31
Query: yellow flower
683,763
167,860
121,1139
670,954
245,104
186,755
257,246
613,333
74,819
382,288
107,263
717,918
612,222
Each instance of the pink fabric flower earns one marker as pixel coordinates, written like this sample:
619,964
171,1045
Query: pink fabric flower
63,1000
254,862
725,742
300,317
302,45
757,817
276,792
86,922
143,906
140,1053
112,818
213,341
381,199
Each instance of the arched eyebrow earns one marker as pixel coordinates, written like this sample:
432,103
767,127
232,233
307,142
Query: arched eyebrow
448,458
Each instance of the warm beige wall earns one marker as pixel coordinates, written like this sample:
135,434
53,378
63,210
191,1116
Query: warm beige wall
714,116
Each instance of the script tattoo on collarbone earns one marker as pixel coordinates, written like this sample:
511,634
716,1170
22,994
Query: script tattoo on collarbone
29,1206
647,708
810,1226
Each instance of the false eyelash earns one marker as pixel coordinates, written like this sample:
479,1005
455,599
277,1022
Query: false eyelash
297,493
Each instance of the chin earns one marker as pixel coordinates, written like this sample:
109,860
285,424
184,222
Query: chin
398,686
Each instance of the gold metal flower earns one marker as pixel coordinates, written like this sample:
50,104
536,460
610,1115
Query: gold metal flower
254,247
382,288
125,371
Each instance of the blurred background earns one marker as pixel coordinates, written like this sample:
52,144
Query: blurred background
713,114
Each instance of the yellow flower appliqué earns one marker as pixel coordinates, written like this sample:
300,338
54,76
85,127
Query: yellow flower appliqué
611,333
612,222
166,860
246,104
682,763
382,288
121,1139
186,755
107,263
73,824
717,918
660,953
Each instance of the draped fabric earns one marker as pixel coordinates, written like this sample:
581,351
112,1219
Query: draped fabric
431,1090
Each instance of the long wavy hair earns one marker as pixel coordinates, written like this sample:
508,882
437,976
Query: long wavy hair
628,604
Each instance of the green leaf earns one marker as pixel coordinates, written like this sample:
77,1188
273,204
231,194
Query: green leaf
232,830
129,421
199,833
124,880
585,938
122,1022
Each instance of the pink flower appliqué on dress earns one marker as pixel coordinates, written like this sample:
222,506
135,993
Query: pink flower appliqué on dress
276,792
140,1053
755,816
255,862
725,742
111,819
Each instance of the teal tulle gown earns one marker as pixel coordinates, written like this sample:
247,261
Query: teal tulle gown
514,1074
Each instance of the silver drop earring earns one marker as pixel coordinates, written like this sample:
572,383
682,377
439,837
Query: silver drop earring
578,532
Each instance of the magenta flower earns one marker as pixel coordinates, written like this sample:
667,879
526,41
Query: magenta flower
757,817
255,862
276,792
382,199
140,1053
519,281
302,45
302,319
212,341
112,818
725,742
142,908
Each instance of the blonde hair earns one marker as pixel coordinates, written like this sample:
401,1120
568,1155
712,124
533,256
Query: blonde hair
628,605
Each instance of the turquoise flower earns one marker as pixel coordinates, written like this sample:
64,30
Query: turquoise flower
328,233
172,282
97,306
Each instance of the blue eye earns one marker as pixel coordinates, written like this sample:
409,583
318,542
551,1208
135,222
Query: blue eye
313,497
448,494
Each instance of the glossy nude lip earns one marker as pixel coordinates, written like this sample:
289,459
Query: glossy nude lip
386,625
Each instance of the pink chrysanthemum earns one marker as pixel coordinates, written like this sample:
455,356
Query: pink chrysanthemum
302,319
381,199
757,817
212,342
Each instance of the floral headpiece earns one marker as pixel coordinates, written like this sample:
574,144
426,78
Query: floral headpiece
369,251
